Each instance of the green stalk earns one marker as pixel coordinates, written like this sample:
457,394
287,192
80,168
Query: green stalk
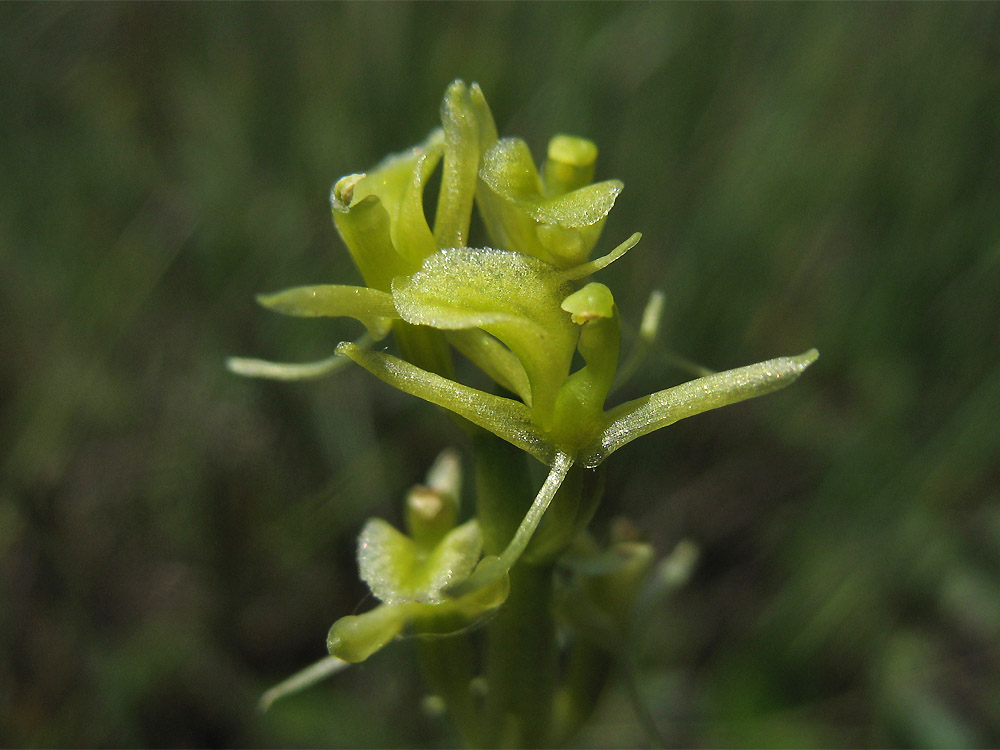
447,667
522,663
503,490
521,654
587,671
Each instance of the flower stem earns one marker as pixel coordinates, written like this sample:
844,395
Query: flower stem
447,666
522,663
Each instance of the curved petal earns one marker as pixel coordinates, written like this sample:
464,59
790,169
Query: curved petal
468,127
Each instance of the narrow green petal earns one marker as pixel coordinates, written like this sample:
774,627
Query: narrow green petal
643,415
364,225
504,417
648,330
494,359
494,567
484,118
372,307
586,269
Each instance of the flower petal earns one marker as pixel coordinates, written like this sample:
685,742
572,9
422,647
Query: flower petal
370,306
561,230
644,415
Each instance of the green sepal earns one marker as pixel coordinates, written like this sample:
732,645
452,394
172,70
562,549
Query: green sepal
512,296
504,417
370,306
643,415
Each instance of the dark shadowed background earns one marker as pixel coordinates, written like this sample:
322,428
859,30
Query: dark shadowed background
174,539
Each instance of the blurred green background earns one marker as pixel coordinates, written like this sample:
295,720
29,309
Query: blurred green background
174,539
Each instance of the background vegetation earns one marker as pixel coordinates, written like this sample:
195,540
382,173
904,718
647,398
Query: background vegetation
174,539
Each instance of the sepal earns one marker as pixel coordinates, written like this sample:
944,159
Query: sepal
643,415
370,306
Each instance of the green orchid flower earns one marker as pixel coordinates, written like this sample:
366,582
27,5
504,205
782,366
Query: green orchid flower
410,573
557,216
